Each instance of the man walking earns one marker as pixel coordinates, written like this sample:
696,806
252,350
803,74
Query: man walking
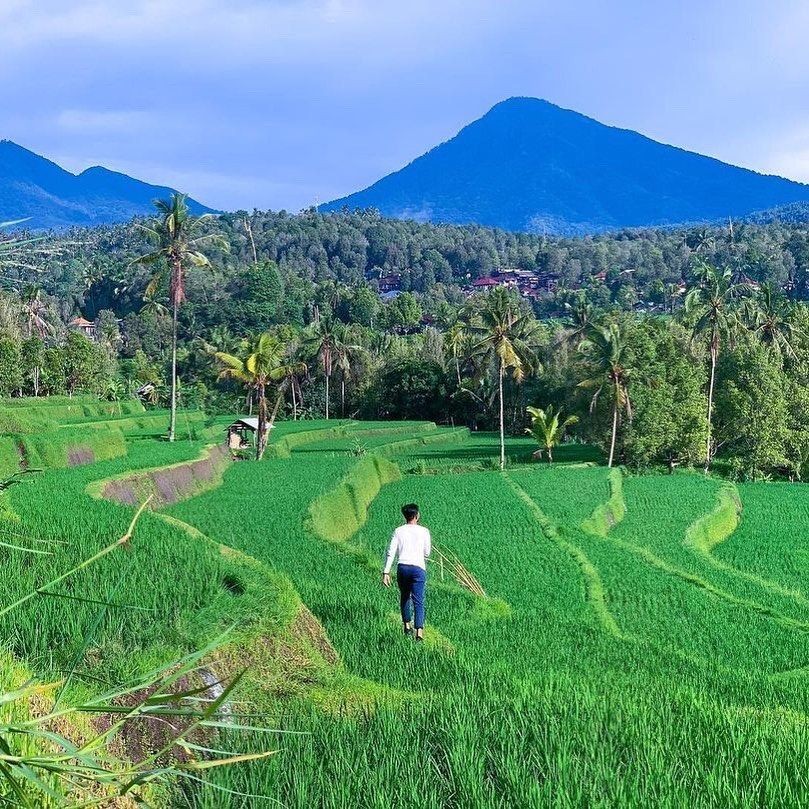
411,543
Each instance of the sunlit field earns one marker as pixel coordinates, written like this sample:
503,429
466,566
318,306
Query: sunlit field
636,640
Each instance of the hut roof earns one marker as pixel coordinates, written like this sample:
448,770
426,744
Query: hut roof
251,423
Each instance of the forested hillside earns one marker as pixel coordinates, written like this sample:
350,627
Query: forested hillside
93,270
680,308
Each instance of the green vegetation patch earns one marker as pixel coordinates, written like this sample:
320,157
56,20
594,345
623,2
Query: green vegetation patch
715,527
72,447
341,512
611,512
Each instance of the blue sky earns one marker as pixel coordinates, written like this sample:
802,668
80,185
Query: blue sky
284,103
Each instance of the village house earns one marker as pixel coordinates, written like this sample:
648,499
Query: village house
83,326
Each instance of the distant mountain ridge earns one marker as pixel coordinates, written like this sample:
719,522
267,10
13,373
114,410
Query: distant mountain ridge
47,196
529,165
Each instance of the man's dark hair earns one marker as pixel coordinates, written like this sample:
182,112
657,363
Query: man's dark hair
410,512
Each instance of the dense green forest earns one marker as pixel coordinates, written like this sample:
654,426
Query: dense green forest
625,337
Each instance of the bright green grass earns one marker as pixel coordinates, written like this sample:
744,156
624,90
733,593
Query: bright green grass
176,583
510,702
772,539
621,670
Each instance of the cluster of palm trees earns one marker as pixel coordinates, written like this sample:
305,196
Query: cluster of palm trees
179,243
715,310
719,307
495,338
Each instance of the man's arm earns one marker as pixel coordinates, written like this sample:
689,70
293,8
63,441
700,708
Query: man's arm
428,544
392,550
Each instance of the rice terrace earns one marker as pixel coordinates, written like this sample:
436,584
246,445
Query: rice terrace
404,405
634,640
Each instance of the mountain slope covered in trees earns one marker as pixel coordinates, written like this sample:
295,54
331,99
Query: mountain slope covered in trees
529,165
47,196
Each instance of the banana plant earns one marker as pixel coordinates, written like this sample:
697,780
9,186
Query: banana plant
548,427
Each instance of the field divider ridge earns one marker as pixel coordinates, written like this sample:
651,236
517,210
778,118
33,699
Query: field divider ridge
652,559
166,484
710,530
594,591
447,435
607,515
284,446
336,515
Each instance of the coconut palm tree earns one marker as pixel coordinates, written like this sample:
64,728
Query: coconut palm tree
506,341
700,240
769,317
607,362
580,315
321,339
179,243
548,428
35,310
261,365
347,356
290,372
712,309
671,295
456,338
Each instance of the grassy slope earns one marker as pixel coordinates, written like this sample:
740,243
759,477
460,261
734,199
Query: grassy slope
677,707
526,697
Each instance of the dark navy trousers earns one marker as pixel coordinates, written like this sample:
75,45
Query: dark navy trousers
412,581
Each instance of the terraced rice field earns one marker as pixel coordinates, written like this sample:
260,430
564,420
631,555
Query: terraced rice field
642,641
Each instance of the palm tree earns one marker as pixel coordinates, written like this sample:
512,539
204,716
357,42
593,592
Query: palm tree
548,428
769,317
580,319
178,244
36,310
153,306
505,339
700,240
289,373
607,359
261,366
347,355
456,338
671,294
114,391
712,309
322,340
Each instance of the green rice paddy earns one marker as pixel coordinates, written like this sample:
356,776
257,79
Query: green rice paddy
642,641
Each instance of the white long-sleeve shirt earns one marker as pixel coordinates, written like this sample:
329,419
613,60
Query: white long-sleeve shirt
411,543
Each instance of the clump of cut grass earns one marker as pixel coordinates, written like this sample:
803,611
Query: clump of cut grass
458,571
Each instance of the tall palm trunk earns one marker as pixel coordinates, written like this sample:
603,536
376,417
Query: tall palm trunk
714,357
294,401
343,395
502,428
173,418
458,370
614,428
261,440
328,377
